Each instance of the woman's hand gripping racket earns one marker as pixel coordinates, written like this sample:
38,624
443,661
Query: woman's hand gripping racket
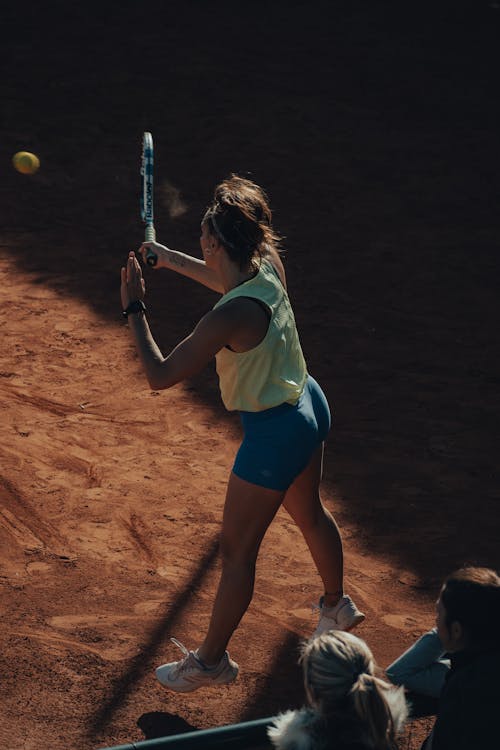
147,214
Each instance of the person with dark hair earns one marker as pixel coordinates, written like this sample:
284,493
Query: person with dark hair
459,661
251,332
349,705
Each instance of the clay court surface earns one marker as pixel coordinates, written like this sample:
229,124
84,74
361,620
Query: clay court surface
376,136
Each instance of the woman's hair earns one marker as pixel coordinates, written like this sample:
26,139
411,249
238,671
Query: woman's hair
471,596
240,218
341,682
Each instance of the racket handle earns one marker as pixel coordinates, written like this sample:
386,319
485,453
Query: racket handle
150,236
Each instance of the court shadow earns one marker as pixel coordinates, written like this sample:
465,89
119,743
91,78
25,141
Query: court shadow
282,688
143,662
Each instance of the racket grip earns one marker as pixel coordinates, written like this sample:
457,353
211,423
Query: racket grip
150,236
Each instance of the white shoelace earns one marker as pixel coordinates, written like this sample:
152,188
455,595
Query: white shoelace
181,646
184,664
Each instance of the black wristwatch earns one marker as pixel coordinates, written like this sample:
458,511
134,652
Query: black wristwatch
137,306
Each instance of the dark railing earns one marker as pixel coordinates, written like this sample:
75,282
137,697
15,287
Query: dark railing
249,735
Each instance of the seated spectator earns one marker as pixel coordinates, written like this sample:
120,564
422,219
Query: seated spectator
467,630
349,706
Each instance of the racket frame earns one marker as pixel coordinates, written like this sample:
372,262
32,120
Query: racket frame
147,204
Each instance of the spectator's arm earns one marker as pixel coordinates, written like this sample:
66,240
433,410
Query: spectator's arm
422,668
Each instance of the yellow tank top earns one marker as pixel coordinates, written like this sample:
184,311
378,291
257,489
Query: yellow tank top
274,372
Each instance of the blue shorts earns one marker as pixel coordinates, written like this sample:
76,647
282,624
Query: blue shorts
278,443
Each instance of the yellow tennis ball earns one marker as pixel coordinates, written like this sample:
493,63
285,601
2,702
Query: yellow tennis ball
25,162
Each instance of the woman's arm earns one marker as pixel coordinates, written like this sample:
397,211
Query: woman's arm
212,333
187,265
189,356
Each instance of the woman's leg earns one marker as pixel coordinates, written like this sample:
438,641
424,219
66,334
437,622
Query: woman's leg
248,511
303,503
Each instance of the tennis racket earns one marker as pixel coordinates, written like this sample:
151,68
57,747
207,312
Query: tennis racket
147,213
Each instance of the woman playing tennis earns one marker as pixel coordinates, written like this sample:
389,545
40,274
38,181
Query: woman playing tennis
251,332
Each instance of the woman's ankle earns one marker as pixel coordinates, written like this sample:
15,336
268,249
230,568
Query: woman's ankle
209,658
332,598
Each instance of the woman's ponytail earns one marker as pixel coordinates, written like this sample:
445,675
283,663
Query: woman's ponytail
369,698
341,683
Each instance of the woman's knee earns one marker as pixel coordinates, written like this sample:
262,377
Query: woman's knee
309,516
235,552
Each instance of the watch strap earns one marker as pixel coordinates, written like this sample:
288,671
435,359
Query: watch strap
137,306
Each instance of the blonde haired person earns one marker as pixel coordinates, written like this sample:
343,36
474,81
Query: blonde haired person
252,334
349,706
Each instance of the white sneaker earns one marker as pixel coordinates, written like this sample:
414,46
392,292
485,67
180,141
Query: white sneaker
343,616
190,673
